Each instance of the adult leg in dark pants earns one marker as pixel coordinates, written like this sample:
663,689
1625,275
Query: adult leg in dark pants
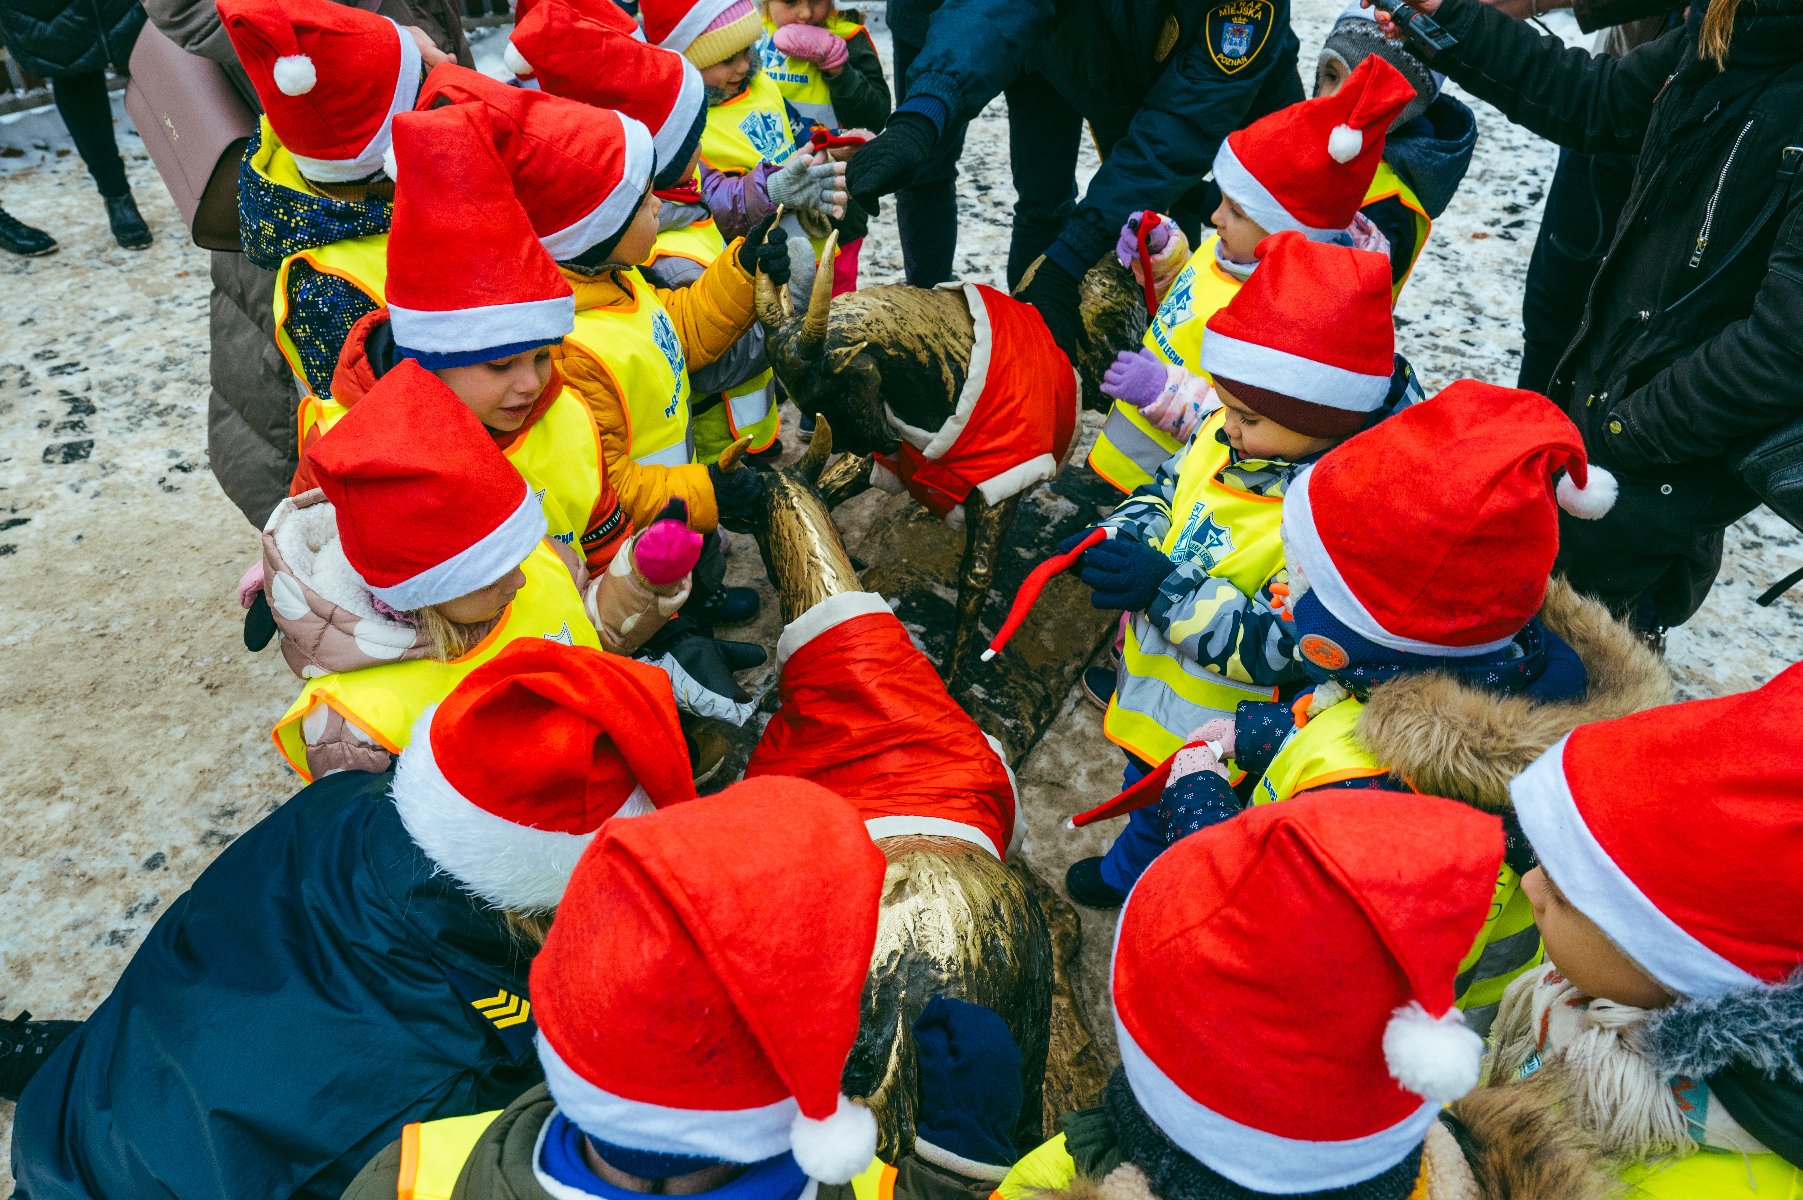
1044,136
926,211
87,111
1654,556
1583,204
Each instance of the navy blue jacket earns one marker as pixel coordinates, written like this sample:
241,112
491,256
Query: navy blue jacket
1161,83
310,995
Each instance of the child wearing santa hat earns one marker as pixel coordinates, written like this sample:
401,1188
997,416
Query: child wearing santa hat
697,1001
357,959
1302,357
314,202
421,554
1664,1027
1443,657
566,52
1283,1001
1304,168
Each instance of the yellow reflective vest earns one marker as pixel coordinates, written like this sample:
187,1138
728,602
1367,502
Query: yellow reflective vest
1130,448
384,701
638,345
749,407
1715,1175
751,128
802,83
1328,750
1388,185
1163,694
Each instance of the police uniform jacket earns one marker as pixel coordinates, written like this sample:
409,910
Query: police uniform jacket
318,988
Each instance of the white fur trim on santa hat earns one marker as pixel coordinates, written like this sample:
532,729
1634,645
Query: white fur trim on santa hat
902,825
1253,1158
693,24
611,215
294,74
495,554
465,330
834,610
835,1149
1434,1057
1592,501
690,99
511,866
1305,379
1302,547
1344,143
514,60
368,161
744,1135
1256,200
1579,866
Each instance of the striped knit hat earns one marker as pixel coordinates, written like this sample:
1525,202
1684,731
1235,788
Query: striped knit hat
703,31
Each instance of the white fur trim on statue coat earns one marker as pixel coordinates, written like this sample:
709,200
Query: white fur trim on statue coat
496,553
834,610
368,161
513,867
1599,889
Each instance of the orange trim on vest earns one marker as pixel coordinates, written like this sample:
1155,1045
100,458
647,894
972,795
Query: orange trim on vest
1328,777
409,1161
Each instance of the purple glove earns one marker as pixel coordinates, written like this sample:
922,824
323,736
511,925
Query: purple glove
1137,376
813,44
1157,238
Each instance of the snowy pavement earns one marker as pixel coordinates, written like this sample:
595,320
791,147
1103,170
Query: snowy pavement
135,739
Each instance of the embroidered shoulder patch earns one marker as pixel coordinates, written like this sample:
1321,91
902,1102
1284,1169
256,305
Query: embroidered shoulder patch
1237,31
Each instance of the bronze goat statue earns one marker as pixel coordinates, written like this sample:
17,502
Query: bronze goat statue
888,367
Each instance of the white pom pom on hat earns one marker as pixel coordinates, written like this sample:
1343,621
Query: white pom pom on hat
1593,500
515,61
1437,1058
1344,143
294,74
838,1148
388,165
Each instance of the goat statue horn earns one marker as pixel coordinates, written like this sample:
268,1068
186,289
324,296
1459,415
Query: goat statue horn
813,328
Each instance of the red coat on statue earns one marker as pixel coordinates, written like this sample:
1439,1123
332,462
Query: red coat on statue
863,712
1015,420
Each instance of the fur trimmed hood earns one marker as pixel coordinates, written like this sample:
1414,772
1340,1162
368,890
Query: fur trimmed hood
1449,739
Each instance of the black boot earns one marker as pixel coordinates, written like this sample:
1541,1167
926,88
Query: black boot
16,237
25,1045
129,229
1083,880
725,606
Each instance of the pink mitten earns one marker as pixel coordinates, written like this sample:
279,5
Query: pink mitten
1193,759
1220,731
813,44
250,584
666,552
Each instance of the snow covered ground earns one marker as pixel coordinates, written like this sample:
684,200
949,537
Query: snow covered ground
134,743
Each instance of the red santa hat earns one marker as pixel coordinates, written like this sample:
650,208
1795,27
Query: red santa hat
703,31
428,507
1307,167
1308,340
331,77
567,53
1283,984
1639,819
505,783
467,280
699,993
604,11
580,172
1434,531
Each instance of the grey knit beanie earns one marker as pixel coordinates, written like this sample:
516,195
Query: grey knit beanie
1356,36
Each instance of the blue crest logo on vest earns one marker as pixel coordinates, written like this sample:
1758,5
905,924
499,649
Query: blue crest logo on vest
765,129
1176,308
664,334
1202,538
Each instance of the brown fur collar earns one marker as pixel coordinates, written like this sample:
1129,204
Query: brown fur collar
1449,739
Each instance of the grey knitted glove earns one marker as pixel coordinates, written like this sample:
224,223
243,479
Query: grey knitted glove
806,183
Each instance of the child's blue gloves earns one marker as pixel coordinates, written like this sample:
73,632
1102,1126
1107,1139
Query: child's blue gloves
1124,574
970,1091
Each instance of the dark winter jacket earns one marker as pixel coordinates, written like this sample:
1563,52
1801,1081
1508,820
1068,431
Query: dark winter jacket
250,411
1651,381
1431,154
1161,84
71,37
860,92
310,995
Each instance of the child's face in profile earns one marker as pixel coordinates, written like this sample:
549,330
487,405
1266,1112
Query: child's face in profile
484,604
635,245
1240,234
1330,74
501,393
726,78
1583,953
798,12
1253,435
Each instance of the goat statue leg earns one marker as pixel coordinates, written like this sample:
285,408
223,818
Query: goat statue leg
985,525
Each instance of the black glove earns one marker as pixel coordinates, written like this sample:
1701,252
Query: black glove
970,1090
771,255
1053,291
890,160
737,494
701,670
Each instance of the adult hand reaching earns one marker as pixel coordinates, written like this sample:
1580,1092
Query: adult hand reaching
892,159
